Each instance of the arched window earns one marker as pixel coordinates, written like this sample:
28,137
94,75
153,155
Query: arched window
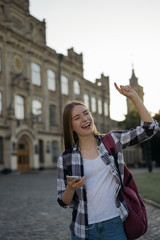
51,80
64,85
19,107
36,74
76,87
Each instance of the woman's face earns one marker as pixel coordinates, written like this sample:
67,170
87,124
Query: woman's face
82,121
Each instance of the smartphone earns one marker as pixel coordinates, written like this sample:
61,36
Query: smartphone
73,177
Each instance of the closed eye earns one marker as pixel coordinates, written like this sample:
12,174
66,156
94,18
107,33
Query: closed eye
76,118
86,113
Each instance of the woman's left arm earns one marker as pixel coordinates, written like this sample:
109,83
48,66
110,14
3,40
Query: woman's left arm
130,93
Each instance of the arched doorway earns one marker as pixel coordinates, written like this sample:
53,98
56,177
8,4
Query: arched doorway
23,155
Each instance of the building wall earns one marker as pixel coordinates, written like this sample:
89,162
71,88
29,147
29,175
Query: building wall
28,142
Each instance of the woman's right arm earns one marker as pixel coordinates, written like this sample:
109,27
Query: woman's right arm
66,187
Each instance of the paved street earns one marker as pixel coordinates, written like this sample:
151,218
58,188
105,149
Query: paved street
29,210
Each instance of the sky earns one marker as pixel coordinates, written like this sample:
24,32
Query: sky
114,36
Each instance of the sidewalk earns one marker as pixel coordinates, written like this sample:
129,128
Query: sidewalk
29,209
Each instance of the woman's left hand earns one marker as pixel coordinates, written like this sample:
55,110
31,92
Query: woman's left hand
126,90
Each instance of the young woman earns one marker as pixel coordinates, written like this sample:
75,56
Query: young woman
98,213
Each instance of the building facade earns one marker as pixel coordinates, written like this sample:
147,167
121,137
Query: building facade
35,84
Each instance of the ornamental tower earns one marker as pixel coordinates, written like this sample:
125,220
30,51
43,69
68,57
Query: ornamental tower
133,82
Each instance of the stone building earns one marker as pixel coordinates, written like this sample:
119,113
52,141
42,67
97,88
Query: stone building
35,83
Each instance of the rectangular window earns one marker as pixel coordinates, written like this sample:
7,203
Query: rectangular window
64,85
100,106
93,104
41,151
51,80
36,74
86,100
19,107
54,151
76,87
0,60
105,109
37,110
48,147
1,150
0,103
52,114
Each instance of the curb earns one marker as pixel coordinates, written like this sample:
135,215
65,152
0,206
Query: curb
152,203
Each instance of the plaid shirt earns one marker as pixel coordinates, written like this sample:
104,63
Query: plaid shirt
71,163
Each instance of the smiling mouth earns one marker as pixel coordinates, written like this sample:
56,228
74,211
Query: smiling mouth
86,125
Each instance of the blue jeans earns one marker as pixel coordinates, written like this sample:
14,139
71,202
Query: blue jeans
108,230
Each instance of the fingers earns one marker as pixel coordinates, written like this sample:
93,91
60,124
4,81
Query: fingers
116,86
119,89
76,183
123,89
80,183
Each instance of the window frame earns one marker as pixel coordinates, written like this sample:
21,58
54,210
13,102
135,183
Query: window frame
93,105
53,121
35,111
1,150
36,72
19,107
64,85
1,103
0,59
51,81
76,87
54,156
41,150
106,109
86,101
100,107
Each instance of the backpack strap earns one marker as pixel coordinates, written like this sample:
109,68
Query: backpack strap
111,147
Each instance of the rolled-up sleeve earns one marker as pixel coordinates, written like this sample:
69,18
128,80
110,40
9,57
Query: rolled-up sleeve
145,131
62,172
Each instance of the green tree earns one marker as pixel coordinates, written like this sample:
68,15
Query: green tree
150,148
132,120
157,117
155,142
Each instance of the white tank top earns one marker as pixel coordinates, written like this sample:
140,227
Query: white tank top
101,195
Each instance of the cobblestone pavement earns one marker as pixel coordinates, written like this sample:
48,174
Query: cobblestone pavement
29,210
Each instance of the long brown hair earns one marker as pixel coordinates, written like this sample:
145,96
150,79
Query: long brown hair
70,137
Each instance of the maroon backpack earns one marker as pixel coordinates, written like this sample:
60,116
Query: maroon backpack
136,223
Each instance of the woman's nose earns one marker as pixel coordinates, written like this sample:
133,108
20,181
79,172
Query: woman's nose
84,118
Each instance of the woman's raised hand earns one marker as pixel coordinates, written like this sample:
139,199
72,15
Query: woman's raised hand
126,90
